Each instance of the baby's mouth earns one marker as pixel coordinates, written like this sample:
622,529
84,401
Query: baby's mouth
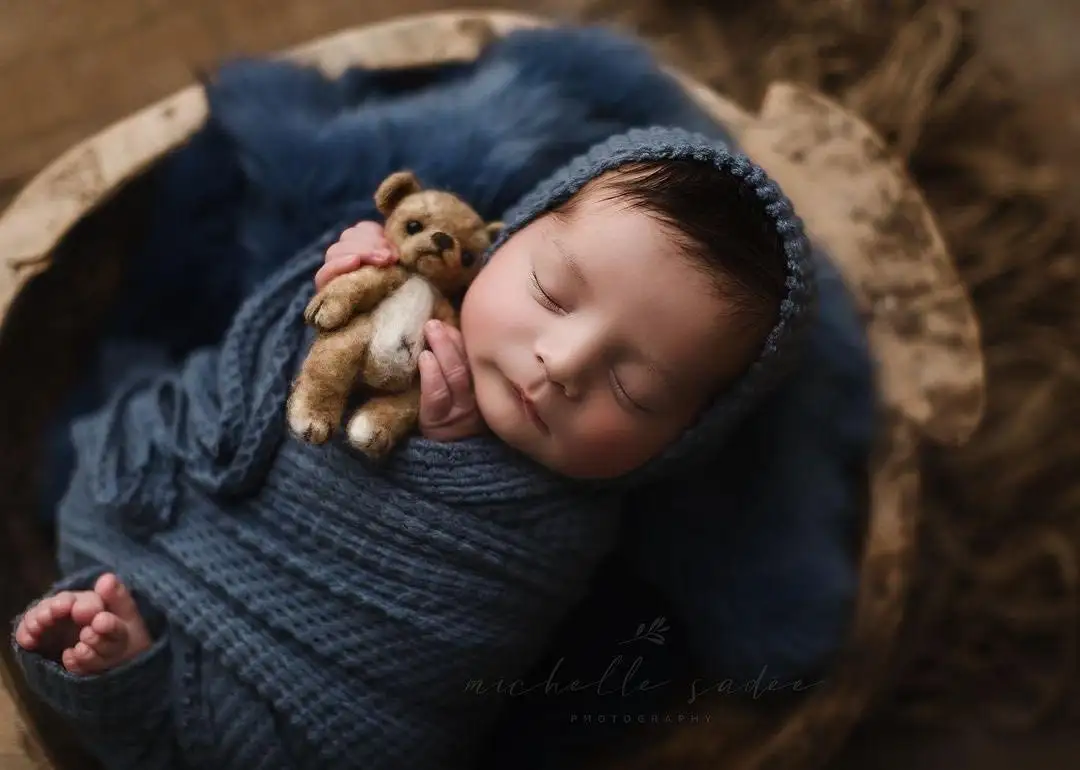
530,410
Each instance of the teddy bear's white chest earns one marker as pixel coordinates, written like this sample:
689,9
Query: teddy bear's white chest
398,323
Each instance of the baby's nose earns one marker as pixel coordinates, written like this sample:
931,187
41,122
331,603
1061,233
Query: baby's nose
442,241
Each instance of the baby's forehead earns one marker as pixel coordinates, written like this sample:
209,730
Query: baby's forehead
600,221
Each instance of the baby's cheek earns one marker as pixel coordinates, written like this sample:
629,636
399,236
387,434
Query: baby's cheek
489,402
607,444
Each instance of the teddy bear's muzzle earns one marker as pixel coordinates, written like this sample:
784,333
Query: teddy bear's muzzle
442,241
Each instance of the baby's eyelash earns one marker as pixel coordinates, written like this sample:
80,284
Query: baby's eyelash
622,391
547,301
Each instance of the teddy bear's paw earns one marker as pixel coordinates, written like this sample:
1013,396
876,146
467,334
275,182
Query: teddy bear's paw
368,436
307,424
326,312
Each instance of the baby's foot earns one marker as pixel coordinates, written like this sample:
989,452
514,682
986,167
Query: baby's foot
87,631
114,635
53,624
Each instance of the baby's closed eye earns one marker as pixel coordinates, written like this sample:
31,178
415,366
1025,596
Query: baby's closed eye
625,396
544,297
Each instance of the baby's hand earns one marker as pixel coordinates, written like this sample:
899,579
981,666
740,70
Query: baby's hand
447,404
364,243
89,632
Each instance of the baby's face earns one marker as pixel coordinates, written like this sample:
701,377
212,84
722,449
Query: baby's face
592,342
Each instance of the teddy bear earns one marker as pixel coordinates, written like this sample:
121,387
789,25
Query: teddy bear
370,322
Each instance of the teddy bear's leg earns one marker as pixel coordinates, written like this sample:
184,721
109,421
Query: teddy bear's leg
380,423
327,377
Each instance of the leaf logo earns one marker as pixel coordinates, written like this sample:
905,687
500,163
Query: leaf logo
654,634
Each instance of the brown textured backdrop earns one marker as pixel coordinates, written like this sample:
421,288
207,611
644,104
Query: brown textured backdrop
983,106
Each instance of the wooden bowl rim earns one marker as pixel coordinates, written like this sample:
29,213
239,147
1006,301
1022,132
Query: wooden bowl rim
91,172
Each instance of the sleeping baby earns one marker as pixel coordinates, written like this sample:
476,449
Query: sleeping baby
237,598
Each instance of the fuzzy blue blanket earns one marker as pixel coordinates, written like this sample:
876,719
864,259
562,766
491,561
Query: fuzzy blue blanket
753,568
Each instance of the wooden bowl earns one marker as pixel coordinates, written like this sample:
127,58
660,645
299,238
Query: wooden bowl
63,239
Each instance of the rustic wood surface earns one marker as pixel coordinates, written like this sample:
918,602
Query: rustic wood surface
13,749
70,68
878,229
90,171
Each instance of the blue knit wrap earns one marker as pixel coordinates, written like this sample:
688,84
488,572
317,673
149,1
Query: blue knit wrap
313,610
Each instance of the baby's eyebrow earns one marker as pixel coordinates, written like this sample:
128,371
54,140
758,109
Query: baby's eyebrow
662,372
571,261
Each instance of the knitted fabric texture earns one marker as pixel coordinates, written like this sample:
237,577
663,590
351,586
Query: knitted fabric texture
316,610
311,609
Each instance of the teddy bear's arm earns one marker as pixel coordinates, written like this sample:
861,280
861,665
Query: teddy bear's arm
352,293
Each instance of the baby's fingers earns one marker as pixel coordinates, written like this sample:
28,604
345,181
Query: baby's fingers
362,254
335,266
454,335
436,400
449,352
366,234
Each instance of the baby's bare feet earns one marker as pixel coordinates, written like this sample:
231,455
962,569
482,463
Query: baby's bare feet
87,631
112,636
53,624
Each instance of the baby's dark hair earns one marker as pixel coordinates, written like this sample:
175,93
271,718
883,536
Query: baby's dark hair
721,226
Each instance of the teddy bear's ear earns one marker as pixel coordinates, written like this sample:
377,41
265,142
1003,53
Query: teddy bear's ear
493,229
394,189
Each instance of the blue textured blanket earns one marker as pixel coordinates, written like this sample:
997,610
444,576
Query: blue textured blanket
753,568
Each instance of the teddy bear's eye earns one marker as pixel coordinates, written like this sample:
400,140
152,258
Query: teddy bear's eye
413,226
467,258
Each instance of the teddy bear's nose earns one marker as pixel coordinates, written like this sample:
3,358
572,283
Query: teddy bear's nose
442,241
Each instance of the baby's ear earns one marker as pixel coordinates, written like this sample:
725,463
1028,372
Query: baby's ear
493,229
394,189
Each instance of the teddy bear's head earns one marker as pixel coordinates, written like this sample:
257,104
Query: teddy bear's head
436,234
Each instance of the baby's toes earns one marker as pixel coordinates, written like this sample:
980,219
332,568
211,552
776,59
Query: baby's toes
37,619
81,659
119,602
52,611
87,605
43,616
90,660
23,637
28,632
106,635
58,607
70,661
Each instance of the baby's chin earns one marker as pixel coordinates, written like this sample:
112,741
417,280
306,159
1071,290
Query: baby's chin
512,429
